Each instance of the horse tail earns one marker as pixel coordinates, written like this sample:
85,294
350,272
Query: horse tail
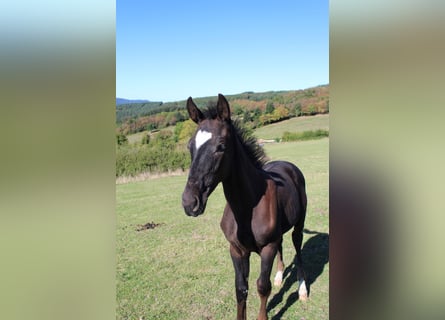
301,186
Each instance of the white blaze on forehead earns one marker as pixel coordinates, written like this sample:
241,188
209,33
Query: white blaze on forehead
201,138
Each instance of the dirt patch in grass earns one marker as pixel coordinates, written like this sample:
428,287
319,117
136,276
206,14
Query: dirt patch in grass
148,226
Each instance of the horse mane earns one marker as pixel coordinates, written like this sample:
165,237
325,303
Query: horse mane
248,142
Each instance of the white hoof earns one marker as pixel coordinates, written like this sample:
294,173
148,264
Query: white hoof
302,291
278,279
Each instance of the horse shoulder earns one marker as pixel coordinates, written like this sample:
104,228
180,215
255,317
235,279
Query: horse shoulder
228,223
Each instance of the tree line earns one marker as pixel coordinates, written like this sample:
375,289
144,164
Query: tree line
254,109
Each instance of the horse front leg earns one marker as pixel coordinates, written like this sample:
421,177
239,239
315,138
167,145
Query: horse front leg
264,285
240,261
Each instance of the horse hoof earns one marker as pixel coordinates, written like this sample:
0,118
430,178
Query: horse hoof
303,297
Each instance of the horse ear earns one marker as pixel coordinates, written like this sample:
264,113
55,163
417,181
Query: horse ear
194,113
223,108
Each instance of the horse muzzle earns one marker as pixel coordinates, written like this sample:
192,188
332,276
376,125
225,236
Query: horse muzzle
193,204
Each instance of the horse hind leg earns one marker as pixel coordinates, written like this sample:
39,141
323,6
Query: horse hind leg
280,266
297,239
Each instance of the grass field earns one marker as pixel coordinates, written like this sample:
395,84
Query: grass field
137,137
298,124
182,268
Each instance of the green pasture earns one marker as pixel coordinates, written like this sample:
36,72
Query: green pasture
137,137
298,124
182,269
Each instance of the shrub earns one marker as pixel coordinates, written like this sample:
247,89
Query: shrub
270,107
146,139
121,139
305,135
160,155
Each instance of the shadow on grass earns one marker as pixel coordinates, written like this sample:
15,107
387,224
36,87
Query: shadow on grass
315,253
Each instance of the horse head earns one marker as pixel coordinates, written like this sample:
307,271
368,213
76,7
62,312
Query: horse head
211,151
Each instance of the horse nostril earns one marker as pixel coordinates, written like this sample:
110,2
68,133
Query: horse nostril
196,207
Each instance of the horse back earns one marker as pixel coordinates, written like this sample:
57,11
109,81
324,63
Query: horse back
291,193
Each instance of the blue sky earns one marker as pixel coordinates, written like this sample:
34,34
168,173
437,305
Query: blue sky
170,50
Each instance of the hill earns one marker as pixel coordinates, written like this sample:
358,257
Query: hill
255,109
300,124
120,101
127,111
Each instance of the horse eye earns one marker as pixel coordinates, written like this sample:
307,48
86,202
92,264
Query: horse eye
221,147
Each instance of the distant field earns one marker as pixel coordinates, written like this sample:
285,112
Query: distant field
271,131
182,269
137,137
298,124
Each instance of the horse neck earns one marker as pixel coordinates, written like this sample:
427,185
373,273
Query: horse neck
246,183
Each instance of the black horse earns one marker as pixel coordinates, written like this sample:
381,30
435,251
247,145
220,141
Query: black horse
264,200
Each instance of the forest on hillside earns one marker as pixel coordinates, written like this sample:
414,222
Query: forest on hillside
254,109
